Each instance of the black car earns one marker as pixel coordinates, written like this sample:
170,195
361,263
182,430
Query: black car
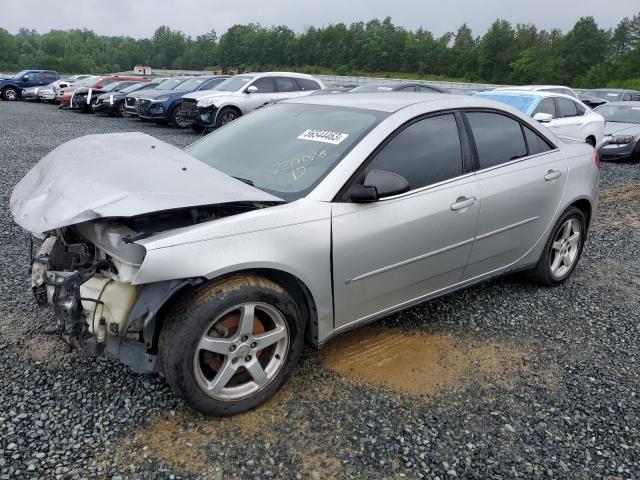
591,101
615,94
83,98
112,103
408,86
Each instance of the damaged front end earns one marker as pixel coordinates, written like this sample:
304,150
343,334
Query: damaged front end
85,273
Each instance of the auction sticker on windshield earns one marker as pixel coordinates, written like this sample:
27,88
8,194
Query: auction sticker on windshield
325,136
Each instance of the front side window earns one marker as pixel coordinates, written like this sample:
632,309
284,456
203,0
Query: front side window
426,152
284,84
546,105
291,148
566,108
498,138
264,85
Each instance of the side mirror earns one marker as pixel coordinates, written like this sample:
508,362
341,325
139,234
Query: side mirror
543,117
378,184
25,78
251,89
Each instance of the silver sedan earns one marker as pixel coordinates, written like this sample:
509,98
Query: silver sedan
297,222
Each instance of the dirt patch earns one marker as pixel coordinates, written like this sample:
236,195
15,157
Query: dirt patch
620,194
43,350
419,363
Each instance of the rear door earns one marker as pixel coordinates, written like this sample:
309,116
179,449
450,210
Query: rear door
287,87
521,178
400,249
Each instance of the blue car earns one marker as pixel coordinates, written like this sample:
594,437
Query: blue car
11,87
163,106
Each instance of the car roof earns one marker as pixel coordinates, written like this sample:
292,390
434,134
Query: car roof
515,92
623,104
286,74
531,87
394,101
615,90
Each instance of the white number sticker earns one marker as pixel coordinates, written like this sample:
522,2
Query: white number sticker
325,136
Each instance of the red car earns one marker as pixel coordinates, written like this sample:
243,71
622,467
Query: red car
64,94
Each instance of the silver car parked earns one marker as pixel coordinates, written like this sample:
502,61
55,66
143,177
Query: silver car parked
299,221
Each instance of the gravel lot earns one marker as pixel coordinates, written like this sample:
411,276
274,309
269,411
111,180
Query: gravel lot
503,380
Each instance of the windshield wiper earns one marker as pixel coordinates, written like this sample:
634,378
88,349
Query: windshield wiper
245,180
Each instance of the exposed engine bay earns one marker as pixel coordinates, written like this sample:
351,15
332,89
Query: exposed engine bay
86,273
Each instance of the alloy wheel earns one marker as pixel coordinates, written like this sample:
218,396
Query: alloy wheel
565,248
241,351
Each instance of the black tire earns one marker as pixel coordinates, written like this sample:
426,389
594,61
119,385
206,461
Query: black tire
191,317
121,111
542,272
226,115
635,156
175,118
10,94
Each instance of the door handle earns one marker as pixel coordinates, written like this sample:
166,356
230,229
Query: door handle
463,202
552,175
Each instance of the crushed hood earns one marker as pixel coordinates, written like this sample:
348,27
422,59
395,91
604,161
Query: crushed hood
119,175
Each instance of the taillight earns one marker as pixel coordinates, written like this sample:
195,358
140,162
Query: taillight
598,162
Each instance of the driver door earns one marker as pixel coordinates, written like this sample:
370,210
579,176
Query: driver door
400,249
266,93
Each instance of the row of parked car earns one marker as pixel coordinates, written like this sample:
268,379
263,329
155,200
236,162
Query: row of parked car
608,119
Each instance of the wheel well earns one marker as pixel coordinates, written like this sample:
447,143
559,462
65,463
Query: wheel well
591,140
294,286
584,206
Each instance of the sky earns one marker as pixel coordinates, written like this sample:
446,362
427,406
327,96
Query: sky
139,18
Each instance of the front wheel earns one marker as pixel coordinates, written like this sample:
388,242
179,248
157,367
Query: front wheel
178,120
10,94
563,249
226,115
231,345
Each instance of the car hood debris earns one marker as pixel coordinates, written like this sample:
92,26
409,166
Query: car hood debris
119,175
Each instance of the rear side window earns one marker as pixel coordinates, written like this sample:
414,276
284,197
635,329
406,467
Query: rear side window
535,142
307,84
566,108
284,84
264,85
426,152
546,106
498,138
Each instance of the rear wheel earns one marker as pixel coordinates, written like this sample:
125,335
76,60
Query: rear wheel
122,110
563,249
10,94
231,345
635,156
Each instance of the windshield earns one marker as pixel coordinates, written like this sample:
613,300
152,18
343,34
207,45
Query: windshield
235,83
190,85
111,87
92,82
605,94
620,113
524,102
133,88
291,148
373,88
169,84
20,74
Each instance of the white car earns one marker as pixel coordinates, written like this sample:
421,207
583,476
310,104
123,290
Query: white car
242,94
565,115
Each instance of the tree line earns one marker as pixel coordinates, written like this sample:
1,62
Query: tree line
585,56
